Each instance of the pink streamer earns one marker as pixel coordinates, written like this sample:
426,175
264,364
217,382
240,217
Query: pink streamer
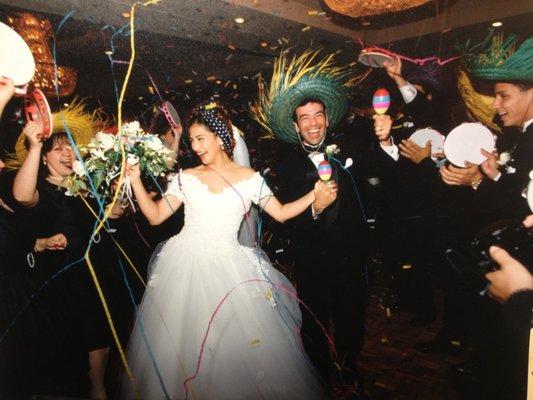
147,73
418,61
290,293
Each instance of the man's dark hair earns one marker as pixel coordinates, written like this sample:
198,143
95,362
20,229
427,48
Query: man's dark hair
524,86
303,103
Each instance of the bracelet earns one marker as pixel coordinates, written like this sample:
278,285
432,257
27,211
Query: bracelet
476,183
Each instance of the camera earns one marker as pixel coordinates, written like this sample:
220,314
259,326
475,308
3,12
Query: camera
511,236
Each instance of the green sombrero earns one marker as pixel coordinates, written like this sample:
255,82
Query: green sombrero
498,59
300,79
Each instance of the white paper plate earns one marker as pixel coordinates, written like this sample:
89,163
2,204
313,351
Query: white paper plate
464,143
421,136
16,60
373,59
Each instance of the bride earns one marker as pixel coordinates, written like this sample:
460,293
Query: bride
217,321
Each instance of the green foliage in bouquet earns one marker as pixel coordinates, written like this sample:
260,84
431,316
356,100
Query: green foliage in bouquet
103,159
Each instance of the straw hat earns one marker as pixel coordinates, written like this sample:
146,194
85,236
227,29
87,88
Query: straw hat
304,77
497,59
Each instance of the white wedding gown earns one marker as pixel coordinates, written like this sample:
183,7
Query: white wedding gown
253,348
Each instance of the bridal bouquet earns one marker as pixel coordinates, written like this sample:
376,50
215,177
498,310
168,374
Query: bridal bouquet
103,159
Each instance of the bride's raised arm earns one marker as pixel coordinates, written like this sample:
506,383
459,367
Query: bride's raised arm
155,212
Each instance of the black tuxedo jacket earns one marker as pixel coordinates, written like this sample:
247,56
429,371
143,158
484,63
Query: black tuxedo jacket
504,197
343,222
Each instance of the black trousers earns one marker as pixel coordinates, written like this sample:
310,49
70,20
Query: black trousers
332,283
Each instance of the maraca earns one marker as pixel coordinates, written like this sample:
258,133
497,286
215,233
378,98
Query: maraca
381,101
324,171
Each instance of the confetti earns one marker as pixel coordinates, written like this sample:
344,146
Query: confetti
312,12
255,343
231,47
188,81
306,28
407,266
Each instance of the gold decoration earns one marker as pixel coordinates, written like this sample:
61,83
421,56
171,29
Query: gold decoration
479,105
36,32
363,8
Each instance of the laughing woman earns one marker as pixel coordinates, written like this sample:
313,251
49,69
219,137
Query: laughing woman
81,338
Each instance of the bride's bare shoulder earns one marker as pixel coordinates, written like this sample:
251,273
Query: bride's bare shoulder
244,172
194,171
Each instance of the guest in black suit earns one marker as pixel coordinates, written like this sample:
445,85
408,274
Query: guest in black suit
499,183
499,188
329,240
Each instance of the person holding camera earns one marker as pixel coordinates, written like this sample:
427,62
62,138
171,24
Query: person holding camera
512,285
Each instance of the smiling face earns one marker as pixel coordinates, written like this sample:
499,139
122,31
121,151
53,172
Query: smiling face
513,104
311,122
205,143
58,156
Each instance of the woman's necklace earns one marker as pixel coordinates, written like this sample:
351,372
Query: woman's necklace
58,181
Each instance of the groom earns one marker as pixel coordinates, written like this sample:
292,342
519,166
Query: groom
329,239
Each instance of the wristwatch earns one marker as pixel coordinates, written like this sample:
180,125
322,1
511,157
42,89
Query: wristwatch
475,184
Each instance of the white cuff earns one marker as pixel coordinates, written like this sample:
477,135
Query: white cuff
497,177
408,92
315,214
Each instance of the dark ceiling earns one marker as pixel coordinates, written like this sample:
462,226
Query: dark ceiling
188,46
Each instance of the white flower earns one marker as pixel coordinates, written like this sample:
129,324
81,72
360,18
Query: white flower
504,158
98,153
106,140
77,167
332,149
131,127
155,144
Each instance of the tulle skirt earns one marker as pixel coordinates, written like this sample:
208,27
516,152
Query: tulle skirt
217,321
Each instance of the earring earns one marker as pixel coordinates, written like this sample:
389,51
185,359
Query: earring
44,162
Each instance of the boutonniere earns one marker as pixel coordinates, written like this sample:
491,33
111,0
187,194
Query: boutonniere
332,149
505,160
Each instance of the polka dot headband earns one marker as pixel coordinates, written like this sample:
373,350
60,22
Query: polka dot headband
218,126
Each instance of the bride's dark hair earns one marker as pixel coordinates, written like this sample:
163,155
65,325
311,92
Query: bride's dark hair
214,117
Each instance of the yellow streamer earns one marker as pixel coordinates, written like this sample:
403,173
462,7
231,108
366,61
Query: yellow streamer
117,243
189,384
115,197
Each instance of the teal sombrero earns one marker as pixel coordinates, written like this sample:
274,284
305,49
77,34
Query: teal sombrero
498,59
304,77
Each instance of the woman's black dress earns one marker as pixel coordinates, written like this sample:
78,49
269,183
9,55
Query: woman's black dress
66,294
